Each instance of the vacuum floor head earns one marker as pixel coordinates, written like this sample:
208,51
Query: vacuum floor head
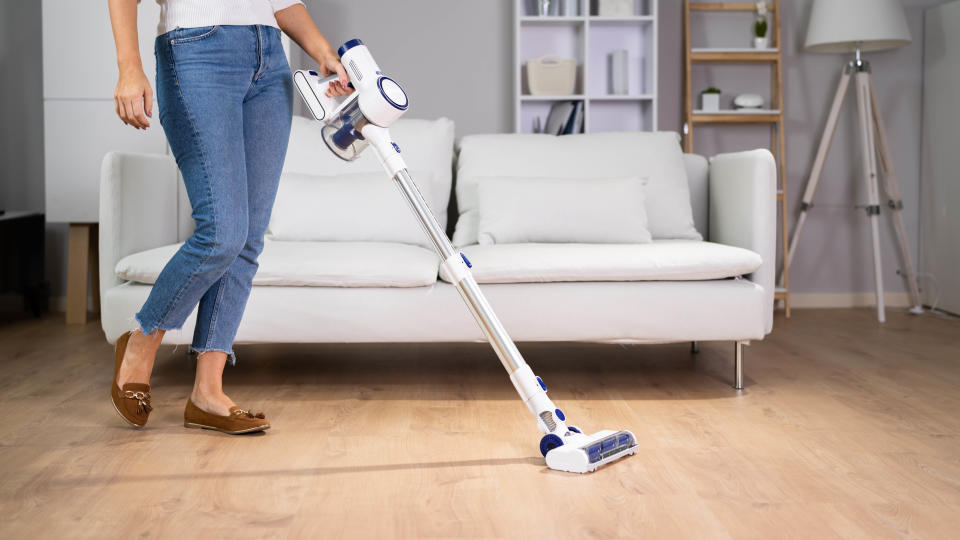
581,453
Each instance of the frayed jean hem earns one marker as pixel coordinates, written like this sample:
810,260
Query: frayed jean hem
231,356
137,323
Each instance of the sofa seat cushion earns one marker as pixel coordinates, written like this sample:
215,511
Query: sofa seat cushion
313,264
662,260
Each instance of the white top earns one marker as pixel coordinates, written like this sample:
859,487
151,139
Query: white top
194,13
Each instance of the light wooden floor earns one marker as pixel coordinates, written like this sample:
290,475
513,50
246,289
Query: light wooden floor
846,429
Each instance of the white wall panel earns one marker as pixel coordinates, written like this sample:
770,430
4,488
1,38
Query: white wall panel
77,135
79,57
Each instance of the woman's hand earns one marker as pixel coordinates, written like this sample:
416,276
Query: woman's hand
330,65
134,98
295,22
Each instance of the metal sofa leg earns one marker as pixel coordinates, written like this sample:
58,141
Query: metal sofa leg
738,365
694,347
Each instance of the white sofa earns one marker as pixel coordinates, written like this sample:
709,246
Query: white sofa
361,271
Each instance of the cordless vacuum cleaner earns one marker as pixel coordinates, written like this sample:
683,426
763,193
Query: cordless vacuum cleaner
353,123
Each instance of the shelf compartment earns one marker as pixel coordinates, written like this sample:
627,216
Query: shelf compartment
635,18
632,115
564,40
530,110
573,97
550,19
622,97
637,39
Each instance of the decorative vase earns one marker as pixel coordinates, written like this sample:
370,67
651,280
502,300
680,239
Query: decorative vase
618,63
710,102
544,7
761,42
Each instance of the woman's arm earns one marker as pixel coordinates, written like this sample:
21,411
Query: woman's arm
133,96
296,22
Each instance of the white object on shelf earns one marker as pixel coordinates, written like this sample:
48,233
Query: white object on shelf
748,101
615,8
544,7
551,76
761,42
710,102
619,81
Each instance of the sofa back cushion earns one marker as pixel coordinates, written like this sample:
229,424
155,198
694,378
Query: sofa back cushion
359,207
596,211
427,147
654,157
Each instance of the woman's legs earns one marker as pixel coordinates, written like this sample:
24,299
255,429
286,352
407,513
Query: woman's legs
266,116
203,76
267,110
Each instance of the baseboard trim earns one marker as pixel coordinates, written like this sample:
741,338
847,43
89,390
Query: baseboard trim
847,300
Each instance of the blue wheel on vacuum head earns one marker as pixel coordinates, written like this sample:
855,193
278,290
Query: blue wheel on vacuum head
574,429
549,442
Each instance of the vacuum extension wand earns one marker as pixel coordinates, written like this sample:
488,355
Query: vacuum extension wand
361,120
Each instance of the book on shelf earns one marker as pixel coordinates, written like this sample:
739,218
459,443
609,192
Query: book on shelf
565,117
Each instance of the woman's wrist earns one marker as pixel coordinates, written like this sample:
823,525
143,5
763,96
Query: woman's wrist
132,63
322,55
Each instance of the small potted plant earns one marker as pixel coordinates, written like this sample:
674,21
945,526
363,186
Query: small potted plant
710,99
760,38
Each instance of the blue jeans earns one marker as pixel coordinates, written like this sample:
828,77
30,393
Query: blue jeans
225,101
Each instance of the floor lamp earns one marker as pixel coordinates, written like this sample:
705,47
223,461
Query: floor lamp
854,27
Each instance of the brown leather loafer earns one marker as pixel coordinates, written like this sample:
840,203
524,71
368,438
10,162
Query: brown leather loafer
132,402
237,422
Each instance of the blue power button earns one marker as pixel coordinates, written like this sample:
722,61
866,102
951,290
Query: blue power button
395,147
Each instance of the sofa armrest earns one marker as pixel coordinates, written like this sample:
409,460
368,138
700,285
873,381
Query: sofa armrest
743,212
138,208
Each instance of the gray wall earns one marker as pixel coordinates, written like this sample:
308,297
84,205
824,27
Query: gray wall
453,56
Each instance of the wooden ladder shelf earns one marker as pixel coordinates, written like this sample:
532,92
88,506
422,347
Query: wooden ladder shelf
773,116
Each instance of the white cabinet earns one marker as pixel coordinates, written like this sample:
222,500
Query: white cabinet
80,124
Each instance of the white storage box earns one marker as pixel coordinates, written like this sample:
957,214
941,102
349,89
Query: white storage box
551,76
615,8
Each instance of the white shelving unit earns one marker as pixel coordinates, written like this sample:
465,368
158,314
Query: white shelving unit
589,38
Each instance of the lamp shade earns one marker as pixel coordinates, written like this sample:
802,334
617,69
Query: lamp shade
838,26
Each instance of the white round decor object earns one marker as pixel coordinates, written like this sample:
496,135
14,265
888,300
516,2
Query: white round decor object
748,101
